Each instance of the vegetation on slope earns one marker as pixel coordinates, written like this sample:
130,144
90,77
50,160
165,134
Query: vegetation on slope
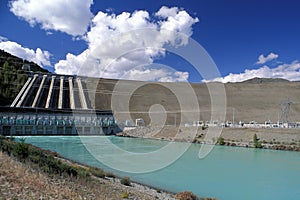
17,62
12,76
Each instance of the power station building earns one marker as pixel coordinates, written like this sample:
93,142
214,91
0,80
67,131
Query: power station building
55,105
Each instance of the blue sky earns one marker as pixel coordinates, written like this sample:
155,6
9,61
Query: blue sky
245,39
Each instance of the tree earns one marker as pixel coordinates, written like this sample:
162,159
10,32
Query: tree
221,141
21,150
256,142
126,181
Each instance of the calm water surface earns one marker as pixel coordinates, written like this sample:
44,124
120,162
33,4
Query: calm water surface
227,173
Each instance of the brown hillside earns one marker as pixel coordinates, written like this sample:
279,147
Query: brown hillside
255,99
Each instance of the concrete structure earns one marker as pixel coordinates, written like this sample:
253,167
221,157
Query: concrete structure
71,95
50,92
21,92
53,92
139,122
37,96
28,121
81,94
55,105
24,95
61,90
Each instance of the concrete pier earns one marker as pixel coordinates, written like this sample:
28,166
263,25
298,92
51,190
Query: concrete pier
71,95
61,92
27,90
81,95
21,92
37,96
50,92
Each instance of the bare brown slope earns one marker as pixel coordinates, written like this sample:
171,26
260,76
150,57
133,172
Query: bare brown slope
261,101
255,99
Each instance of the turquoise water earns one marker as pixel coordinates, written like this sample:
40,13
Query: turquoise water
226,173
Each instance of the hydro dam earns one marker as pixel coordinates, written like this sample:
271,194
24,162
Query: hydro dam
55,105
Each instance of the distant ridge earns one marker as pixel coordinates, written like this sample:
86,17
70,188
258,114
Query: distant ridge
257,80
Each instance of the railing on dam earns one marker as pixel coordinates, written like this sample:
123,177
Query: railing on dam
44,122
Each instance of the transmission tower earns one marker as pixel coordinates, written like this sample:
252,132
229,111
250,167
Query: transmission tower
285,111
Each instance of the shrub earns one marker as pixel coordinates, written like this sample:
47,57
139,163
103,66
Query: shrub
125,195
6,146
186,195
83,174
256,142
109,174
12,138
221,141
97,172
20,150
125,181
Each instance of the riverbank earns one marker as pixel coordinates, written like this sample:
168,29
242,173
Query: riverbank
270,138
23,176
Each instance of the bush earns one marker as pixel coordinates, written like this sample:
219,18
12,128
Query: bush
20,150
125,181
125,195
186,195
83,174
6,146
221,141
109,174
256,142
97,172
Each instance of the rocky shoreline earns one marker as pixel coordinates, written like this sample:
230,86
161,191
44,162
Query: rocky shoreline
275,139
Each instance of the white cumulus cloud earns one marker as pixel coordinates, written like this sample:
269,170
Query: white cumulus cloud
176,20
262,59
119,45
290,71
71,17
38,56
159,74
166,12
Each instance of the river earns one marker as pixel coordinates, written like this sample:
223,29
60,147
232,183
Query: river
226,173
